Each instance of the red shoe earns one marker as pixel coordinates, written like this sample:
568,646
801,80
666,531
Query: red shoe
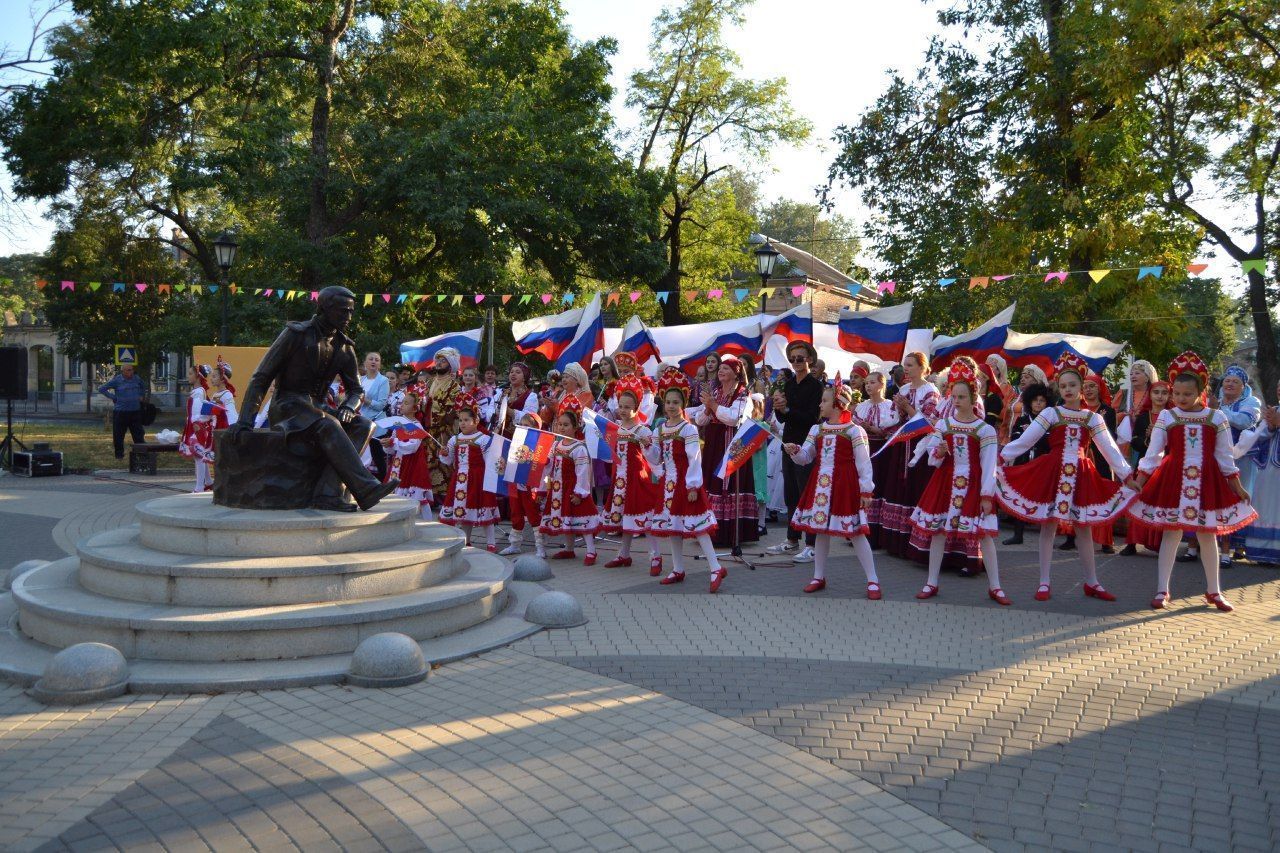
873,591
674,577
1216,599
655,567
1042,592
566,554
492,549
815,585
717,578
998,596
1160,601
589,560
1096,591
929,591
618,562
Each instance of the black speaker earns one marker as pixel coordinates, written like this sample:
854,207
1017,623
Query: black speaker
13,373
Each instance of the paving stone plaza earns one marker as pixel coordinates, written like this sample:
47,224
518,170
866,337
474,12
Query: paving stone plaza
759,718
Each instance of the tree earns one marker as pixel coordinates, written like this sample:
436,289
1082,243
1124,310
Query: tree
694,109
1022,159
833,238
18,291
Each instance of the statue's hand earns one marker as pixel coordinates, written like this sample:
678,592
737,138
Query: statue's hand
346,414
241,427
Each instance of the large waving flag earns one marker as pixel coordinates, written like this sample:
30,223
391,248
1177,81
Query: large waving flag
600,435
420,354
916,426
881,332
747,340
587,340
749,438
549,336
639,341
528,455
796,324
987,339
1043,350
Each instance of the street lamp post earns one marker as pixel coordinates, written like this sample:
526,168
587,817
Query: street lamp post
766,259
225,246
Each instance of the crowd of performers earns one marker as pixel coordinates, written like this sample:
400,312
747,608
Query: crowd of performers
1171,460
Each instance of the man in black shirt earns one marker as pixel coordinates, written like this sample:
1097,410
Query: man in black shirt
796,407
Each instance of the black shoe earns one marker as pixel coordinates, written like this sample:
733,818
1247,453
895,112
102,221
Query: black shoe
1015,539
1108,549
1129,550
1069,544
1188,556
370,498
762,531
333,504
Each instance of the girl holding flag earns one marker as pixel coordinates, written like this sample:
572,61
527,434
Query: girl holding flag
724,408
407,455
1063,486
197,434
568,509
634,493
879,417
466,502
959,502
830,506
916,400
684,511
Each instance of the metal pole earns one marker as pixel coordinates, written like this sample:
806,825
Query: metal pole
222,339
489,322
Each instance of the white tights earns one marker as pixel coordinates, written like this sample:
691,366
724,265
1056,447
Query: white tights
1208,558
203,480
677,553
490,533
624,550
1048,530
861,550
987,547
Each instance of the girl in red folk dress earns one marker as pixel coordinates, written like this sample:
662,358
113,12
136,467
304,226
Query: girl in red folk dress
525,503
197,435
958,503
634,493
684,511
568,509
829,506
408,459
466,503
1063,486
1189,480
1135,434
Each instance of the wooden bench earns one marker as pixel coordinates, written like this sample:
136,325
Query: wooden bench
142,457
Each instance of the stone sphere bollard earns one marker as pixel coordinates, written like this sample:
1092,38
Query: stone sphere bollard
531,567
85,672
20,570
387,660
555,610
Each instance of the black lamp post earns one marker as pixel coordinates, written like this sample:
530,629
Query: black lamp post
225,246
766,259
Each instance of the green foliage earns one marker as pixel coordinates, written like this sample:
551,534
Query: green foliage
19,293
833,238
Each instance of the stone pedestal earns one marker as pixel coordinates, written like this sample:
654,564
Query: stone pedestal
270,468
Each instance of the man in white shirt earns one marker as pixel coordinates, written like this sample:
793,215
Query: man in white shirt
373,405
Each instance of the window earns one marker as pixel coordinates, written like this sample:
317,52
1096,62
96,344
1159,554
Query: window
73,369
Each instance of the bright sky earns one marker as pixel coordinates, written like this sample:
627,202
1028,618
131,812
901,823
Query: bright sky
834,55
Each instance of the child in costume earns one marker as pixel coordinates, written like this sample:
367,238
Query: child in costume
567,508
959,501
634,493
830,506
197,435
1189,480
684,511
407,458
466,504
1063,486
526,505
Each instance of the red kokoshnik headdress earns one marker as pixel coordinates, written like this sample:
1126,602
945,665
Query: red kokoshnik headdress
674,378
961,371
626,361
1069,362
1189,362
630,384
467,402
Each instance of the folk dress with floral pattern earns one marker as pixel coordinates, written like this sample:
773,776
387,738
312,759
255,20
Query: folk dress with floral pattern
952,502
830,505
634,495
570,475
1190,462
466,501
1063,485
677,453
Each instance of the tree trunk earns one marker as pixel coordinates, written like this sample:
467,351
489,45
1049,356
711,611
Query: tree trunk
1264,332
670,282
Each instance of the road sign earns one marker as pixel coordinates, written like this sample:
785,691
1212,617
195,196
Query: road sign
126,354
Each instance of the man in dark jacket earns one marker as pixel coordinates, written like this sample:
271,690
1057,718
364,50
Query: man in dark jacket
796,407
302,361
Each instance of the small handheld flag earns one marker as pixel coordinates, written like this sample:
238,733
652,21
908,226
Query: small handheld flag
528,455
749,438
916,426
600,435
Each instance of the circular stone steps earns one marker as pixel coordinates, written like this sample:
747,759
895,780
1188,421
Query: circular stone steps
115,563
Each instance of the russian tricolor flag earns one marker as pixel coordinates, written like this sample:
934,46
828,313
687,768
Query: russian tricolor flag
746,340
405,429
987,339
1043,350
548,336
749,438
796,324
638,340
587,340
420,354
528,455
881,332
600,435
916,426
208,408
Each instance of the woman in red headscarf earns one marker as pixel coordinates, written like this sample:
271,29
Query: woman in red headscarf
725,407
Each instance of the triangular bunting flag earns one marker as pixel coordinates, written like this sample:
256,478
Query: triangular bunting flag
68,285
613,299
457,299
94,285
524,298
163,288
798,290
233,289
854,288
715,294
689,295
1154,272
767,292
886,287
1060,276
942,282
368,299
568,298
41,284
267,293
479,298
315,296
178,288
418,297
741,293
633,296
1001,277
1196,269
662,296
979,282
401,298
546,299
506,297
197,288
1098,275
1257,265
118,287
440,297
142,288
